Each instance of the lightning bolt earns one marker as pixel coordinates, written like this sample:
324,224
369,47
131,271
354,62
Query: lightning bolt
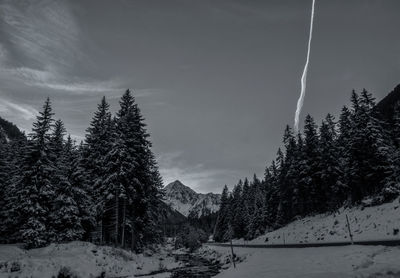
304,76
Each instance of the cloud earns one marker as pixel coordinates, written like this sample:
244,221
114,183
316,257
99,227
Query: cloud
44,44
197,176
25,111
52,80
45,33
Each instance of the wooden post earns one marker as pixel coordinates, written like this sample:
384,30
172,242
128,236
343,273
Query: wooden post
116,217
348,226
233,255
284,240
123,222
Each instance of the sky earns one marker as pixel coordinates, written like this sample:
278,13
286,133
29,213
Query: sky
216,80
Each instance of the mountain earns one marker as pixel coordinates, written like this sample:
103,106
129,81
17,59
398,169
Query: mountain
387,104
190,203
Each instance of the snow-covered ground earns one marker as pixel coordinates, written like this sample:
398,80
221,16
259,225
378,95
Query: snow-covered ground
366,223
81,258
325,262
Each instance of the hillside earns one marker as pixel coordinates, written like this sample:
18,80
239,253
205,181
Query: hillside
366,223
9,131
190,203
387,104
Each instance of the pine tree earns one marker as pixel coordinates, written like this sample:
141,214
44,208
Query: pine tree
329,168
222,223
247,206
391,188
34,188
80,187
257,224
98,143
65,215
310,181
238,210
271,196
5,172
368,150
343,145
147,182
13,157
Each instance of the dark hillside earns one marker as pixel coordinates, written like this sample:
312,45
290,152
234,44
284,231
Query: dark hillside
387,104
10,129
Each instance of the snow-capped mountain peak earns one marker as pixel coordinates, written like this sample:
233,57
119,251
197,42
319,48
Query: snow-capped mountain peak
188,202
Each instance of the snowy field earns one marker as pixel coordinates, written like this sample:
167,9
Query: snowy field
367,223
82,259
324,262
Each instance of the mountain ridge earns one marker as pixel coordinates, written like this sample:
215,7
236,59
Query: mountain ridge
190,203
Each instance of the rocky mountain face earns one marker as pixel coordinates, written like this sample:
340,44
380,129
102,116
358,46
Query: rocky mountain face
190,203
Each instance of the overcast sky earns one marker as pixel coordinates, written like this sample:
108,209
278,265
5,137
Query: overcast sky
217,80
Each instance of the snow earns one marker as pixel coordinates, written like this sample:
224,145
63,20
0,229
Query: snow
186,201
81,258
367,223
345,261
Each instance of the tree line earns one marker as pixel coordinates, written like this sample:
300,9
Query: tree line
325,167
106,189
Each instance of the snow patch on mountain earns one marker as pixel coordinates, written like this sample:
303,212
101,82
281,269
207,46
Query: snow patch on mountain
190,203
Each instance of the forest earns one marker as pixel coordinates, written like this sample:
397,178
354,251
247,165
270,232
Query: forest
338,163
106,189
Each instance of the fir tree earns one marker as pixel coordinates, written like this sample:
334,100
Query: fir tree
34,188
97,145
329,167
222,223
65,215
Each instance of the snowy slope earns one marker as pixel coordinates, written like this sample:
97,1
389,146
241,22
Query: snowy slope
366,223
188,202
322,262
81,258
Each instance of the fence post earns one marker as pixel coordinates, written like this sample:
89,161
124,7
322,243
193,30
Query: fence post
348,226
233,255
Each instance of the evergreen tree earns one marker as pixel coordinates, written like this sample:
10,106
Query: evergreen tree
98,143
80,187
343,145
329,167
33,188
65,215
368,150
238,210
357,158
272,199
222,223
391,187
257,224
5,172
310,182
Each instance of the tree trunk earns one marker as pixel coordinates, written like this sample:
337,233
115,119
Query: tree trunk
133,243
101,230
116,217
123,222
